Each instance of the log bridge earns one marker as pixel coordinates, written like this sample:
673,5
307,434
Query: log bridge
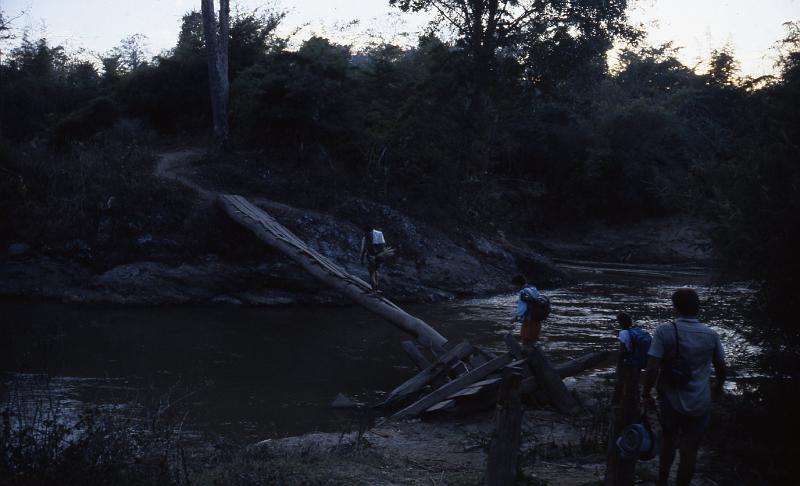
452,376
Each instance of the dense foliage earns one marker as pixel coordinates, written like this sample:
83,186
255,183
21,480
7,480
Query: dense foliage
516,122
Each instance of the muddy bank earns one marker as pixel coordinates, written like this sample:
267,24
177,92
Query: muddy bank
676,240
428,266
211,260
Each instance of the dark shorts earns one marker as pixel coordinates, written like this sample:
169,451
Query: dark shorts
373,263
674,422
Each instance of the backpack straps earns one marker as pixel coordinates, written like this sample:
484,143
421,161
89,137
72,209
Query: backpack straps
677,342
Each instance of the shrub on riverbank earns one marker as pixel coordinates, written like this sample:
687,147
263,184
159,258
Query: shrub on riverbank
43,442
99,203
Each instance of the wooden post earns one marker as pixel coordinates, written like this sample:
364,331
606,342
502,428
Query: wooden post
621,472
548,379
502,467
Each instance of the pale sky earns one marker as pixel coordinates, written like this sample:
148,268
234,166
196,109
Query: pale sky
750,27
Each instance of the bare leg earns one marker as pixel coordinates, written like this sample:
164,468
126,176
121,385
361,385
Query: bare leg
689,444
373,277
666,458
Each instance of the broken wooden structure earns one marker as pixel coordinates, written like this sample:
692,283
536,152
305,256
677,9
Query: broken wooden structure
451,376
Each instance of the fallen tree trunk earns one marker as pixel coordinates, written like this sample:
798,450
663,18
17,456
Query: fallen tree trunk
268,230
581,363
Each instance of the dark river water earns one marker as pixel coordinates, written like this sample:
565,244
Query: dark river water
250,373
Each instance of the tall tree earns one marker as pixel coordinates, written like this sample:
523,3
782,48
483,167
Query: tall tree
484,27
216,30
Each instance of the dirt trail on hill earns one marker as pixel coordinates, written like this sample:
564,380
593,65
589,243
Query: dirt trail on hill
174,165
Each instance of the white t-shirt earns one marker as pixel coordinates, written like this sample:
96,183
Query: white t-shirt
699,345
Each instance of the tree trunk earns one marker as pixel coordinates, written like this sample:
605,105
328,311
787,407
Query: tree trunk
275,235
216,31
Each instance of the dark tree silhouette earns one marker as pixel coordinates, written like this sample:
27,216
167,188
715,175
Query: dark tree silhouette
216,29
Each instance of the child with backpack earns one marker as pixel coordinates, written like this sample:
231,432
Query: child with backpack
532,309
634,343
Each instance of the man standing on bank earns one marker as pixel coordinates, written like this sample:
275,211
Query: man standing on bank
681,356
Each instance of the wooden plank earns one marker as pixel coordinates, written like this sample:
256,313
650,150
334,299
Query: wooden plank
502,463
413,352
575,366
429,374
475,388
478,359
442,406
268,230
474,398
449,388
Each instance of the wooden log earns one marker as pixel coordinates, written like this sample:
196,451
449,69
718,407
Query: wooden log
582,363
448,389
429,374
550,382
502,467
477,397
415,354
268,230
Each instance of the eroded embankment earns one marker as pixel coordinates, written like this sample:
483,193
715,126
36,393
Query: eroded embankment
429,265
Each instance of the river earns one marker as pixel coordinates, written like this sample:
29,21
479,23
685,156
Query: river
247,373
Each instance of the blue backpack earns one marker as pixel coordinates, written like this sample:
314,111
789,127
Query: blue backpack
640,345
538,305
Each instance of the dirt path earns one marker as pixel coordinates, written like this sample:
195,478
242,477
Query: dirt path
176,165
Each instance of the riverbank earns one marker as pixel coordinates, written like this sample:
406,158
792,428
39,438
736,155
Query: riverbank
554,449
187,252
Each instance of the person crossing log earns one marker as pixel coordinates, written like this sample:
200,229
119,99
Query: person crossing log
448,358
268,230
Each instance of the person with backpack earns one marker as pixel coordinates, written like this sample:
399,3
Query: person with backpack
532,309
634,343
374,251
681,356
